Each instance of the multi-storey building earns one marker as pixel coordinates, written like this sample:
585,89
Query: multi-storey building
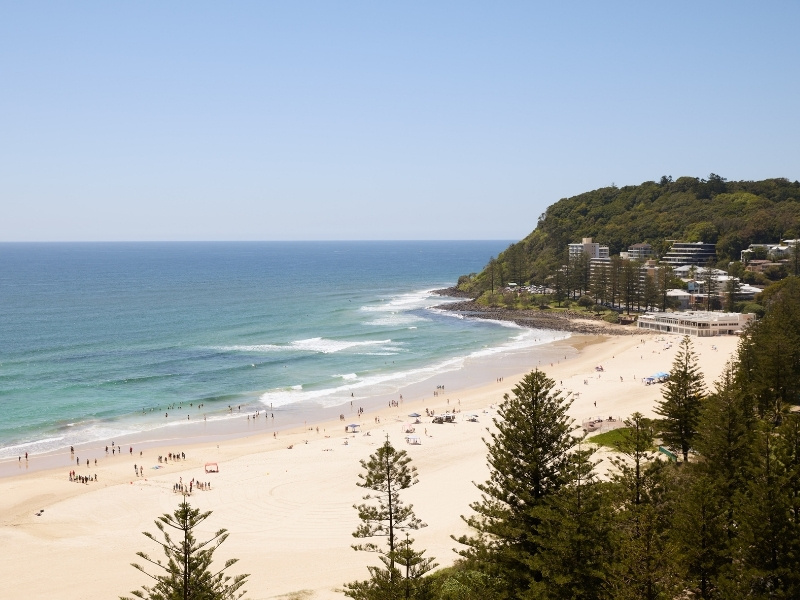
698,323
690,253
588,247
640,252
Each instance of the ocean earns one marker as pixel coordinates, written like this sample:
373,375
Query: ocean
104,340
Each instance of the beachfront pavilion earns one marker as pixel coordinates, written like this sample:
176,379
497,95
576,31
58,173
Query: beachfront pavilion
696,323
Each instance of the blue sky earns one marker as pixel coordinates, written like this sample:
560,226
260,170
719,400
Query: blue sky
375,120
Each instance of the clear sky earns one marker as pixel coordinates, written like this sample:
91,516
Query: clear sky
376,120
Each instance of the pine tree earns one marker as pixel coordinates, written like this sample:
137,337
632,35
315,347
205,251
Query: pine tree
732,290
665,280
386,473
573,534
698,529
635,446
683,397
765,561
766,553
528,459
413,566
642,567
187,574
769,354
630,284
650,292
788,455
403,579
725,444
710,285
600,283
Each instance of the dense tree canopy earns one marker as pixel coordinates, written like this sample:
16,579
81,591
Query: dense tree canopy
731,214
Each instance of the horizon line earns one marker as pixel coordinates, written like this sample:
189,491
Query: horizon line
293,241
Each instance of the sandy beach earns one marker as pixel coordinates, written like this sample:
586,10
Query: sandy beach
287,499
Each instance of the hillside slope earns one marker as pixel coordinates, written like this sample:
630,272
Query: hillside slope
732,214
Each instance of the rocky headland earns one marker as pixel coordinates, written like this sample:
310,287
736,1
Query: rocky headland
576,322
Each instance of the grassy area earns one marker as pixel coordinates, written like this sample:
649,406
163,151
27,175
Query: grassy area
612,438
609,438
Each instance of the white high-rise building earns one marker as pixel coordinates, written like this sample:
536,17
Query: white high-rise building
588,247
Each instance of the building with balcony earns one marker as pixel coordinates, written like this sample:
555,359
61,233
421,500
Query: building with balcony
640,252
696,323
690,253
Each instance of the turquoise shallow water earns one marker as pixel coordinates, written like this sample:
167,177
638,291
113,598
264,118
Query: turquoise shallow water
95,338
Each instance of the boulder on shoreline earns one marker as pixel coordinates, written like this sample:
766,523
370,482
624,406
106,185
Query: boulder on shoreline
454,292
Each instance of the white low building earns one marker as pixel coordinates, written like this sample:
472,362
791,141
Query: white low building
696,323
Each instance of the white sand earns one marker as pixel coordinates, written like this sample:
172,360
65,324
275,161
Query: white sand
290,511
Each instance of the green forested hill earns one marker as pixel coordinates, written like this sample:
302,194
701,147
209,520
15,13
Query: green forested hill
732,214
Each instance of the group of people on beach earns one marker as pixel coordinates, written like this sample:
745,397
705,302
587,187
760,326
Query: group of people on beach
257,414
181,488
81,478
114,449
172,456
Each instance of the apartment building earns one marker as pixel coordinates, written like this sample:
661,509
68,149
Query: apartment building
690,253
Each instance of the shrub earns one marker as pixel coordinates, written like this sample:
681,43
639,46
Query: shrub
753,307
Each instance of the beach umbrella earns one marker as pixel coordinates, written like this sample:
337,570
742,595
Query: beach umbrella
415,415
354,425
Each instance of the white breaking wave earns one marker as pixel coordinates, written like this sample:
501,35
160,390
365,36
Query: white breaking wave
250,348
447,313
31,447
326,346
396,311
395,319
390,382
317,344
402,302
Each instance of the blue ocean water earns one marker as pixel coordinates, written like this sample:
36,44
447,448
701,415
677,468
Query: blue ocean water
95,338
